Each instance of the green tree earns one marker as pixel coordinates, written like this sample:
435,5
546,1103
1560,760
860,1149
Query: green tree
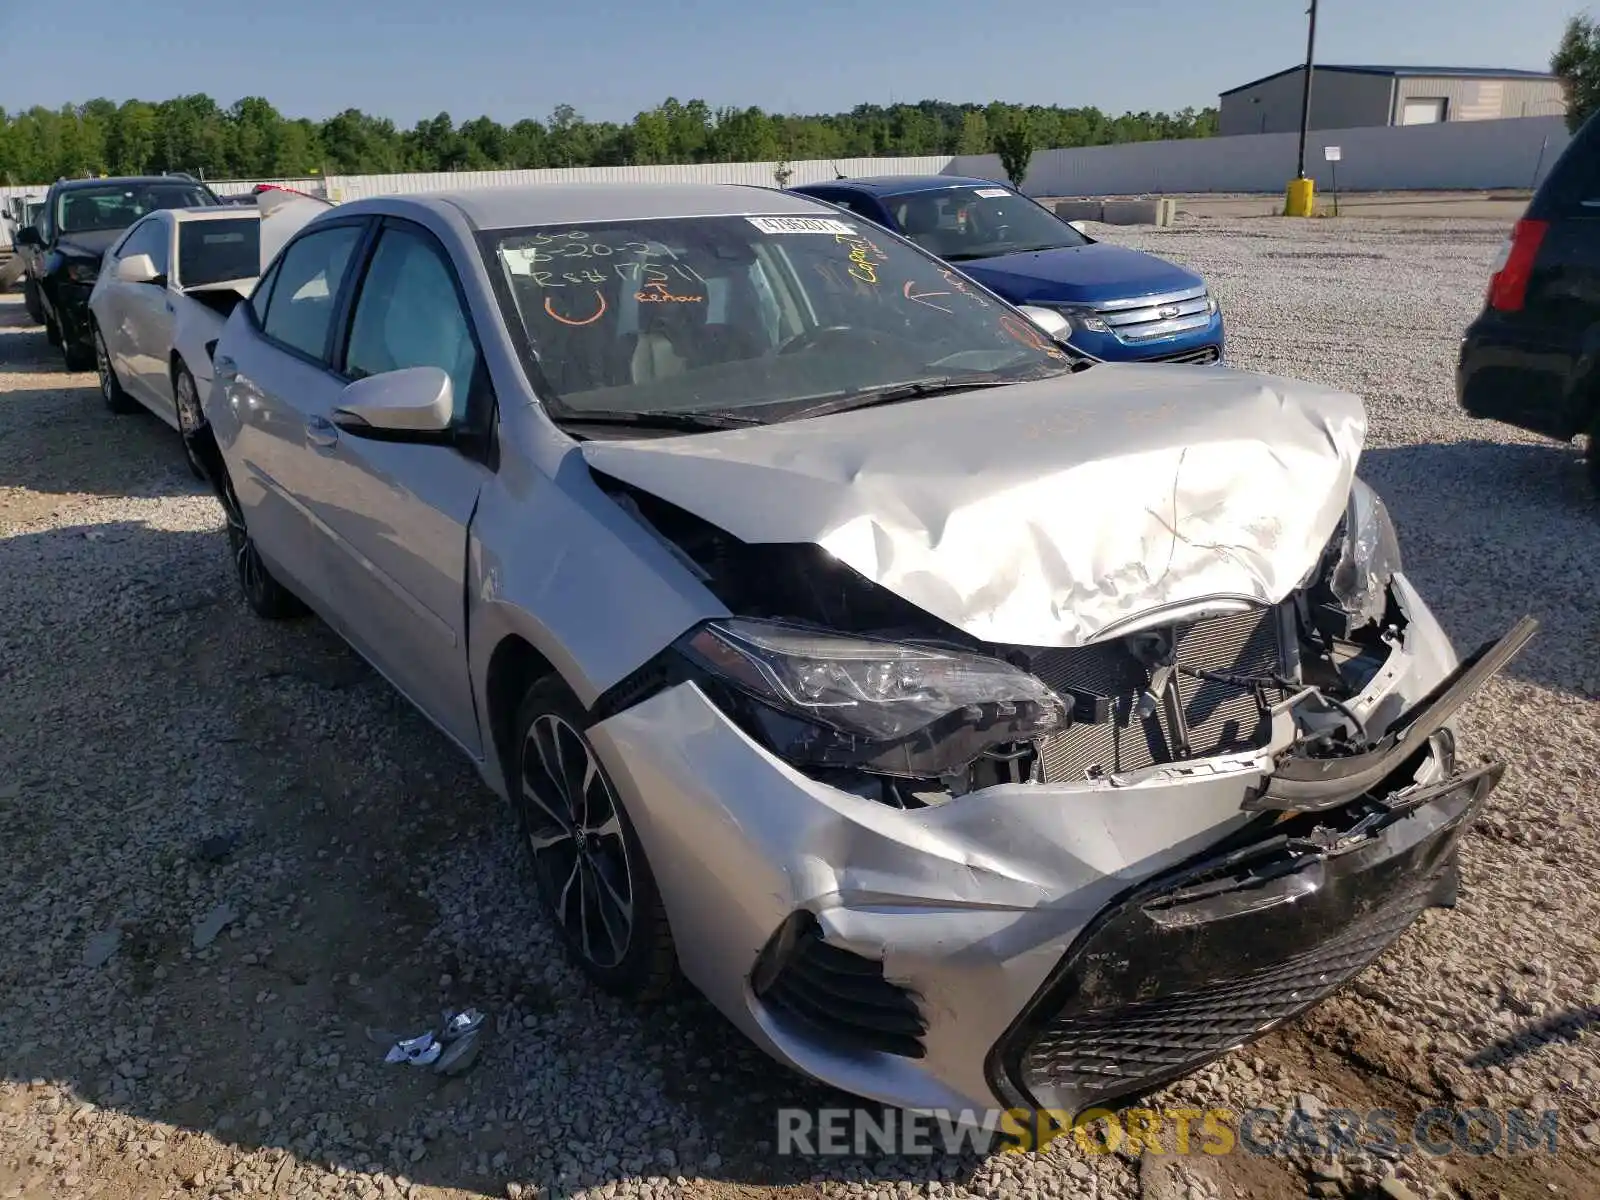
253,140
1577,62
1013,142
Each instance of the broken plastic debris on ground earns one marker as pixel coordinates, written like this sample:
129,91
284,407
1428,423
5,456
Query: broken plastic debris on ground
449,1049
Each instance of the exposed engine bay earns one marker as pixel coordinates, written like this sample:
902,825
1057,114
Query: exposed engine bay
1246,682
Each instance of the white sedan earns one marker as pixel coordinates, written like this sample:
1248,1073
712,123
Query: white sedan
165,291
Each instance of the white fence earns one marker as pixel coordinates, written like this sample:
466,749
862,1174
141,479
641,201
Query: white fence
1455,155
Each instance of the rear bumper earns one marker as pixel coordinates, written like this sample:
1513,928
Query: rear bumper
1202,960
1517,376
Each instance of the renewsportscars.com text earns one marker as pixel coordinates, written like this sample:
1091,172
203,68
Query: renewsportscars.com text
1435,1132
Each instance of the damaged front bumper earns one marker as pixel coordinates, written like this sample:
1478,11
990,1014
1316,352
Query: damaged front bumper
1204,959
1044,944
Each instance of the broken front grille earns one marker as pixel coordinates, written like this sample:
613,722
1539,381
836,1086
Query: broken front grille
844,999
1115,1051
1220,718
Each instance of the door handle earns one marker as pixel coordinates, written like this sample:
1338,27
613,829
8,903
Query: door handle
321,432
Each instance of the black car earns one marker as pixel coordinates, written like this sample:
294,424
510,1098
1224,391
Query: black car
1532,358
80,220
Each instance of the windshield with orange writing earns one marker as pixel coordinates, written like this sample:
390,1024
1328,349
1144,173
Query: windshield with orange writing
719,313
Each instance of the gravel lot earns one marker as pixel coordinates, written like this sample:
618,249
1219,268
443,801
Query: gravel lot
164,754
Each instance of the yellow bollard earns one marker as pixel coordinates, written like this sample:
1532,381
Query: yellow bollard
1301,198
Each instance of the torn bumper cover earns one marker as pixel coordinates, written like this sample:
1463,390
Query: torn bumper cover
1202,960
1304,783
1058,944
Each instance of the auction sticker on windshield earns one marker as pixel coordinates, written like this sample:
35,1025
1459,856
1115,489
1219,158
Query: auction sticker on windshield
991,193
802,225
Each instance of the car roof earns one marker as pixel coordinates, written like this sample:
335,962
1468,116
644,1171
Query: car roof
580,203
73,185
213,212
883,185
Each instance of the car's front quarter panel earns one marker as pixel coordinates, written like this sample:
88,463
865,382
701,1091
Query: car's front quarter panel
558,564
970,904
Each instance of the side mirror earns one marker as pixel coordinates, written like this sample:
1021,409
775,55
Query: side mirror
28,236
1049,320
137,268
414,404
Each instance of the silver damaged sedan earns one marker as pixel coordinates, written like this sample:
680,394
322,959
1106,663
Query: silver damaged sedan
974,725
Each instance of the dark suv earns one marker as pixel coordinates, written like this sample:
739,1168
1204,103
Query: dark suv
1532,358
80,220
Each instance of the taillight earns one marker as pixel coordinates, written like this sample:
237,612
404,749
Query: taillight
1508,286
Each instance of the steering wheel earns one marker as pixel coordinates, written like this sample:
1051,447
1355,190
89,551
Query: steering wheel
807,338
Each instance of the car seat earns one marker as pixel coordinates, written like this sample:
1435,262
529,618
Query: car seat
921,225
79,212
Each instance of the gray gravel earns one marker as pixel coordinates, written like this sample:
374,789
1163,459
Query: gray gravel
232,849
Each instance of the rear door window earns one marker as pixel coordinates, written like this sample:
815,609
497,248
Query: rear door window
218,251
1573,187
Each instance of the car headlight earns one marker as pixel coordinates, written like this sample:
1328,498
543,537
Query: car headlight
82,272
904,708
1365,557
1082,317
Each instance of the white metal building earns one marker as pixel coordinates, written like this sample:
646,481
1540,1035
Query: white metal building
1345,97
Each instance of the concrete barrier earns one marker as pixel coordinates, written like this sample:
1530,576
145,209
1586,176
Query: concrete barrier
1079,210
1132,212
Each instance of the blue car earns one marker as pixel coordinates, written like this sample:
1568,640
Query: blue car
1123,305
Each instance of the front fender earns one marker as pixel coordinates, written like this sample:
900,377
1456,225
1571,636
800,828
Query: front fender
559,564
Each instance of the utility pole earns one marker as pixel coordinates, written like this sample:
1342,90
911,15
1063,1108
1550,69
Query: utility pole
1305,94
1300,200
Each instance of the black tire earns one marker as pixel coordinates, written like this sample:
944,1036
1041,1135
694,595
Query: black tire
186,400
111,391
266,597
51,333
583,855
76,355
30,300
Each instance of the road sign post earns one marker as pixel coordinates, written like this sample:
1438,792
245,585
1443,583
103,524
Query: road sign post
1333,154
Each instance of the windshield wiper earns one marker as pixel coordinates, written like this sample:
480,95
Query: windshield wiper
689,421
1007,250
893,394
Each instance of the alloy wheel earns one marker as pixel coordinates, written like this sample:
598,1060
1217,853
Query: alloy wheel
246,560
570,816
102,366
186,400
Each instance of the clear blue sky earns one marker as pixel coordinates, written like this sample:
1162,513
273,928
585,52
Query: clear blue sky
408,59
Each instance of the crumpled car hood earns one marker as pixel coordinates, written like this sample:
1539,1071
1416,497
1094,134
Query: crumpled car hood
1044,514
